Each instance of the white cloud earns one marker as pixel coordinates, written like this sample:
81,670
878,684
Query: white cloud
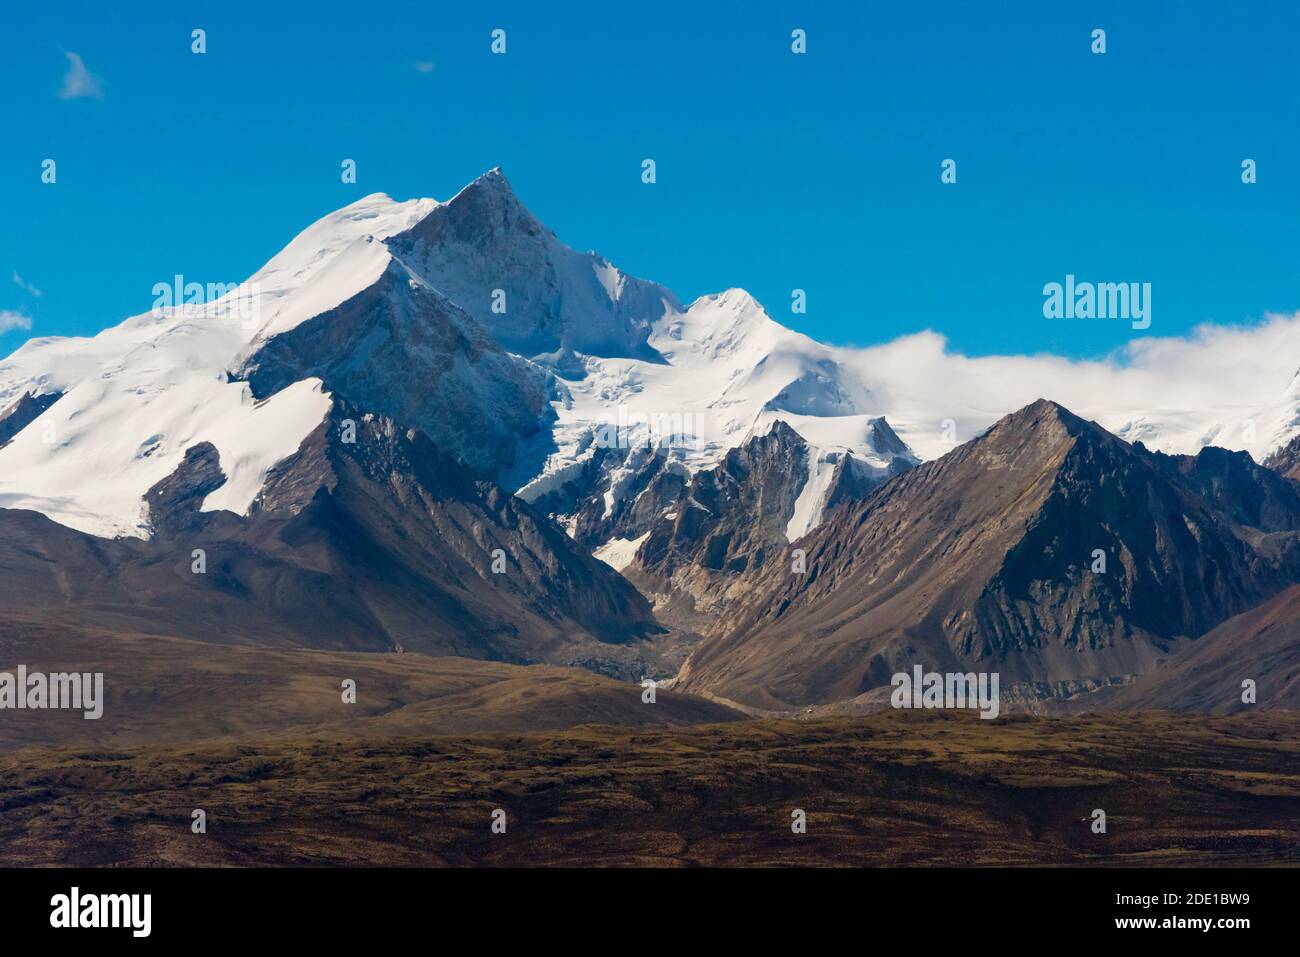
24,285
424,66
10,320
1232,386
78,81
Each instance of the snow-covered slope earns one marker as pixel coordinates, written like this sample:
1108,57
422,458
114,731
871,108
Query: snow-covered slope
727,371
1258,428
136,396
402,349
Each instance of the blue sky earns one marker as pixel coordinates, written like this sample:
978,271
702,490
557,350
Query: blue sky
775,171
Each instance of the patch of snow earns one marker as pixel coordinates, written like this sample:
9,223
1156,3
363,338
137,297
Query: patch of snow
618,553
115,438
610,278
810,504
258,436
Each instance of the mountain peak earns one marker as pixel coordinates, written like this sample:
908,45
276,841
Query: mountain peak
1043,412
484,213
738,300
493,183
886,441
780,432
1040,407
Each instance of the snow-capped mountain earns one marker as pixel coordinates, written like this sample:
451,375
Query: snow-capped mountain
544,368
134,398
596,396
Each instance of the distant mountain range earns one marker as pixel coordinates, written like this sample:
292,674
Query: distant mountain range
441,431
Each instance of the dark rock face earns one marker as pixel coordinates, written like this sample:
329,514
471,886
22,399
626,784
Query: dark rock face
174,503
22,413
1234,485
556,299
697,532
851,482
701,533
1286,460
983,560
726,523
376,544
730,517
401,349
641,483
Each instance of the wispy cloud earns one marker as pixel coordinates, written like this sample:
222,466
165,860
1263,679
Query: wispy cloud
78,81
424,66
10,320
25,285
